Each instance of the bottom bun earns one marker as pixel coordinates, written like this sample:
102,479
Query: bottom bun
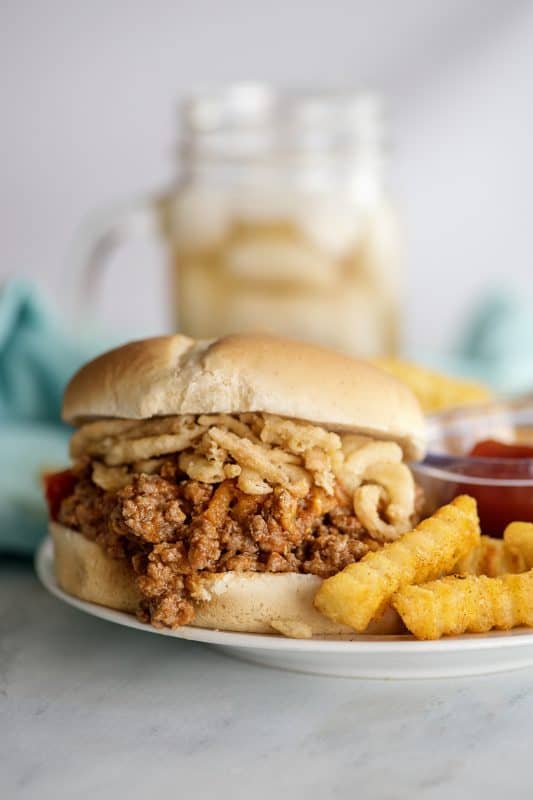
247,602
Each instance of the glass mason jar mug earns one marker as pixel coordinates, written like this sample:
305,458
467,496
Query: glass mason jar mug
280,220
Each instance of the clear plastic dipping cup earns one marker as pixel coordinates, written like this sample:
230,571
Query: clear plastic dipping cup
502,487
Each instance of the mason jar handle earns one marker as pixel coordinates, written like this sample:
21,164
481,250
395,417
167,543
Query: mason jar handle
104,232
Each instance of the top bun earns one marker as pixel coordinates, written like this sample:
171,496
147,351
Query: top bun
170,375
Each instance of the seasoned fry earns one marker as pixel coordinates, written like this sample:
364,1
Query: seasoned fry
493,557
518,536
469,604
361,591
434,390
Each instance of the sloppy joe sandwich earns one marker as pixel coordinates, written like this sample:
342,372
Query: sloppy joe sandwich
218,483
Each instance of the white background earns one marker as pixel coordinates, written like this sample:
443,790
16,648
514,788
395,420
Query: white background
89,117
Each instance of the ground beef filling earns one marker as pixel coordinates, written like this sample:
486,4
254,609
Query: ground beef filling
171,529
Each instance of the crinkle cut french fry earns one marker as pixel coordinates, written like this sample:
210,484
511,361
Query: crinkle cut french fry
518,536
469,604
361,591
434,390
492,557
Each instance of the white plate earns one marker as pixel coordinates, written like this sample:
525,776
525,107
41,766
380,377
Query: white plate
357,657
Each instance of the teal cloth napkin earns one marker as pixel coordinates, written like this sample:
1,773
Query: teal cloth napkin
38,355
28,450
495,346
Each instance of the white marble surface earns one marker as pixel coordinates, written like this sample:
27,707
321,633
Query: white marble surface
88,709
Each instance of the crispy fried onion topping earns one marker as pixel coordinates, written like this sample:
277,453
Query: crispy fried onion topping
260,451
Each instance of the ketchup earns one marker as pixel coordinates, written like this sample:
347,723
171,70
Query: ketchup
57,486
490,448
498,505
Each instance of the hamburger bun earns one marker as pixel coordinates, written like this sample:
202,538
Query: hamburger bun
248,602
171,375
